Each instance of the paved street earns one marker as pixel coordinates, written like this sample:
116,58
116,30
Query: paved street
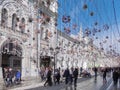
83,84
112,87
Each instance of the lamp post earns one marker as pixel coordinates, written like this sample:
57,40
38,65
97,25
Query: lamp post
55,52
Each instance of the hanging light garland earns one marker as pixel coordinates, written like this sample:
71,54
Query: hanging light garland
99,30
96,37
74,26
67,30
105,27
87,31
85,6
107,37
96,23
91,13
66,19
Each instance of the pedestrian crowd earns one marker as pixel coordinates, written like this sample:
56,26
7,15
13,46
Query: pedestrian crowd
115,74
11,77
70,76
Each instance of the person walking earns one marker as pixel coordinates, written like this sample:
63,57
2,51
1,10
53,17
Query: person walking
104,75
58,76
71,76
49,79
17,77
75,75
66,75
6,76
10,76
115,77
95,71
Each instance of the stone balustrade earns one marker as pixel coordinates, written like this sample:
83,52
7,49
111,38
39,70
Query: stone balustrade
9,32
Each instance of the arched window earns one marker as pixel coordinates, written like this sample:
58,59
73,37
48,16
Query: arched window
4,17
22,25
46,34
42,32
14,22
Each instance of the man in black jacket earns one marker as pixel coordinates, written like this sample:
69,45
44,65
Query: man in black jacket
115,77
75,74
49,79
66,75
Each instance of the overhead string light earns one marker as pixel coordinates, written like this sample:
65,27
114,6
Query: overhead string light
110,27
66,19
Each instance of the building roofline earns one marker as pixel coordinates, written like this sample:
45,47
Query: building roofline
67,37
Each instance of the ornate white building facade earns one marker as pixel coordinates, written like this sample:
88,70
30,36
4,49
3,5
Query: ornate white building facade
25,28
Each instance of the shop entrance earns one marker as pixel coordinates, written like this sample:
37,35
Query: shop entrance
11,61
11,56
45,61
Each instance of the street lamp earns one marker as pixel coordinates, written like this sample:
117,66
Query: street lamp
55,52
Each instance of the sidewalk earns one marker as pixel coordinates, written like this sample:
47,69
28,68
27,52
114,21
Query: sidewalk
25,84
33,83
114,87
82,84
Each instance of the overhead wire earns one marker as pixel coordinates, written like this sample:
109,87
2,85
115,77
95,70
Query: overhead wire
112,33
115,17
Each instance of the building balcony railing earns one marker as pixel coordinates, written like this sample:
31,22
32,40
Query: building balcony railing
9,32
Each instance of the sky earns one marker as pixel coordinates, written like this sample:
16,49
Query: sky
102,16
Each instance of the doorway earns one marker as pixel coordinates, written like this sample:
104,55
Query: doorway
45,61
11,57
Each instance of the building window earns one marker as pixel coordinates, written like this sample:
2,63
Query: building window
46,34
42,33
4,17
14,22
41,36
22,25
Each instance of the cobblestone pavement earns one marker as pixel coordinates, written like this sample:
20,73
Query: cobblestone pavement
83,84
